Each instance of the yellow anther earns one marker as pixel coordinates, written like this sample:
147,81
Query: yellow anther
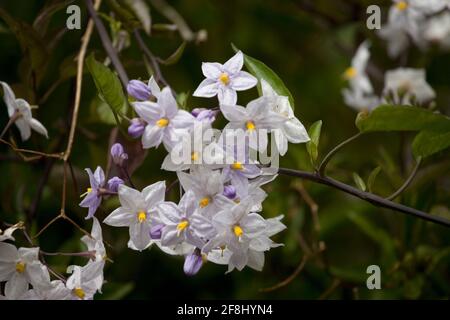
20,267
79,293
224,78
142,216
237,166
350,73
204,202
237,231
402,5
182,225
194,156
89,190
163,122
250,125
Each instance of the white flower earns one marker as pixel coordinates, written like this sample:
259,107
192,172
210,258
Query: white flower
20,268
292,129
137,211
57,291
224,80
207,186
25,122
356,73
162,118
256,120
177,220
437,30
95,244
407,86
360,101
7,234
82,283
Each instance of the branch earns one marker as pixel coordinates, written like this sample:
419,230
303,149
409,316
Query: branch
107,45
366,196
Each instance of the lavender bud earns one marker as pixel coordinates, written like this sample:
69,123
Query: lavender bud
114,183
156,231
193,263
229,192
118,154
136,128
138,90
203,114
195,112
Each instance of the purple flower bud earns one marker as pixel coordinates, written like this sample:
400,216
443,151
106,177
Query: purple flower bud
229,192
203,114
195,112
114,183
156,231
136,128
118,154
138,90
193,263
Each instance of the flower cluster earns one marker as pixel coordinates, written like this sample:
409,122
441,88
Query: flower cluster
23,267
218,217
425,23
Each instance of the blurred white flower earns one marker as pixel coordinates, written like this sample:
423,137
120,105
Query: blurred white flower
21,108
356,73
224,80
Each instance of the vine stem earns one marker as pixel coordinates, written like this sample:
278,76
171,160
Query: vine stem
366,196
330,154
407,182
11,121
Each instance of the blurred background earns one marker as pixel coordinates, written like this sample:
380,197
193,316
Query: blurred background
309,44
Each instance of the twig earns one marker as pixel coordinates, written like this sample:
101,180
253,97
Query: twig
107,45
407,182
290,278
310,202
334,285
366,196
11,121
330,154
37,153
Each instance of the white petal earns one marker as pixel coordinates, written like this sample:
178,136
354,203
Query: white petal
149,111
152,137
154,88
253,225
168,103
9,98
235,63
120,217
140,235
29,255
243,81
295,131
24,128
38,275
227,96
280,141
255,260
16,287
207,88
233,113
169,213
211,70
38,127
154,193
8,252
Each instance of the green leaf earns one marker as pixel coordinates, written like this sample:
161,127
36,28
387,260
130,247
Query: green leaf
182,99
312,146
401,118
128,18
261,71
174,57
359,181
429,142
108,86
116,291
372,176
142,12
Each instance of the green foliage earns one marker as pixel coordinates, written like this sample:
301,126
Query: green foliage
359,181
372,176
312,146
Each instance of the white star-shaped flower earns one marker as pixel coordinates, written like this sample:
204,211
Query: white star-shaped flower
224,80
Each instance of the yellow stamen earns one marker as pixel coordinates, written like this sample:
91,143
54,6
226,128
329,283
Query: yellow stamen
20,267
237,166
142,216
182,225
350,73
250,125
402,5
88,190
79,293
224,78
163,122
204,202
194,156
237,231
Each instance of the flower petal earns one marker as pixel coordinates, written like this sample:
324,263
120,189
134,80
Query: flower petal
207,88
235,63
212,70
149,111
152,137
154,194
140,235
243,81
120,217
16,287
38,127
227,95
9,98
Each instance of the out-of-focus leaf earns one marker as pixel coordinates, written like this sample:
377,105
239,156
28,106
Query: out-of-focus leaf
182,99
142,11
102,112
129,20
401,118
41,22
428,142
312,146
116,291
261,71
108,86
174,57
359,181
372,176
30,42
353,275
